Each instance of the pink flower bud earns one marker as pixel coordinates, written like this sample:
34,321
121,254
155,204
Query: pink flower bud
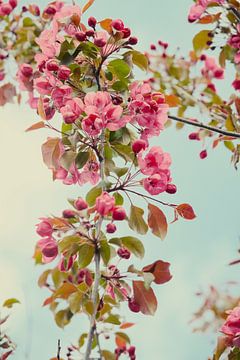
26,70
64,72
50,250
2,75
153,47
203,154
100,42
133,305
193,136
13,3
92,22
111,228
68,214
90,33
44,228
139,145
52,65
81,36
80,204
133,40
123,253
104,204
5,9
118,24
171,189
50,10
126,33
34,9
236,84
131,350
203,57
118,213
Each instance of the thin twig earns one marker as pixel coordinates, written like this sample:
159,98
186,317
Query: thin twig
203,126
59,350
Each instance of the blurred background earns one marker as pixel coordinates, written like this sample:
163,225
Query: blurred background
199,251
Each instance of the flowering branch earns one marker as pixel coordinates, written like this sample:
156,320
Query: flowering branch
203,126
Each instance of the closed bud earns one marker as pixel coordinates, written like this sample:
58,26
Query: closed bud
193,136
139,145
171,189
118,213
203,154
5,9
126,33
50,10
63,72
133,40
131,351
92,22
80,204
81,36
52,65
90,33
111,228
124,253
50,250
118,24
100,42
68,214
153,47
13,3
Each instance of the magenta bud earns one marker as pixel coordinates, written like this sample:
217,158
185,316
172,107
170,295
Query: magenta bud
118,213
81,36
90,33
92,22
68,214
133,305
203,154
64,72
80,204
133,40
118,24
50,250
171,189
124,253
139,145
111,228
52,65
126,33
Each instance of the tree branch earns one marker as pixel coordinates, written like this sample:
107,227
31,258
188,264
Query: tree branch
203,126
59,350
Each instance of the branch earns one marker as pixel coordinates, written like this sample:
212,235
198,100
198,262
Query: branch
203,126
59,350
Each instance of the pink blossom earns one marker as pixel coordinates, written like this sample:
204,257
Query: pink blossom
43,86
72,110
61,95
211,69
198,9
47,41
156,184
92,124
44,228
231,327
154,162
67,11
105,204
90,173
100,38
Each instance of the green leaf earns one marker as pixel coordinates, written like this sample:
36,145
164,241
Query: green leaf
85,255
63,318
134,245
82,339
67,159
105,251
120,86
118,198
88,49
81,159
119,68
200,41
138,59
113,319
136,221
107,355
10,302
157,221
68,242
74,301
93,194
234,354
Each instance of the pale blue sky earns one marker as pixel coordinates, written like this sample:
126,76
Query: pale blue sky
198,250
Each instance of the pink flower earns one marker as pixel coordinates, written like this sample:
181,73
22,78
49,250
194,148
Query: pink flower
211,69
105,204
102,113
198,9
47,41
44,228
72,110
43,86
154,162
67,11
90,173
61,95
49,249
236,84
231,327
157,183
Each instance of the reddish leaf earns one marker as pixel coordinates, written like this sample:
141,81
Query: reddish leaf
160,270
106,25
41,110
36,126
51,153
157,221
186,211
121,339
172,100
65,291
209,19
48,301
145,298
6,355
7,93
126,325
87,5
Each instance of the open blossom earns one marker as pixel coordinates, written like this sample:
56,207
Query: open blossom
72,110
157,183
47,41
148,109
90,173
105,204
211,69
154,162
61,95
231,327
102,113
199,7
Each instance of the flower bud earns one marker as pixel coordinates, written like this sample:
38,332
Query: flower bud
133,40
133,305
193,136
153,47
118,213
44,228
111,228
13,3
100,42
203,154
131,351
50,250
92,22
80,204
139,145
126,33
89,33
117,24
68,214
50,10
171,189
64,72
5,9
52,65
124,253
81,36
